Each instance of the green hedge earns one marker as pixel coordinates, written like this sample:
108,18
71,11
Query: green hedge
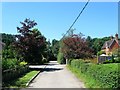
12,69
105,74
60,58
11,74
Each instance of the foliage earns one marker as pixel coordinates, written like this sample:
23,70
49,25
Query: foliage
30,43
60,58
117,55
55,47
48,54
116,52
9,63
97,43
21,81
117,60
12,74
7,39
7,50
105,74
107,61
89,41
12,69
114,59
12,63
88,81
23,63
100,52
94,60
75,46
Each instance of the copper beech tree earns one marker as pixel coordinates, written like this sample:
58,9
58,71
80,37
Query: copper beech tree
30,43
76,46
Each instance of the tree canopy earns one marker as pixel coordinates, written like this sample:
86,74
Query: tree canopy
30,43
76,46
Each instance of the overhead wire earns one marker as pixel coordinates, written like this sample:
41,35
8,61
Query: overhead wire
76,18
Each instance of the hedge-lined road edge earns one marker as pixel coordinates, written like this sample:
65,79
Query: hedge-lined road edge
28,83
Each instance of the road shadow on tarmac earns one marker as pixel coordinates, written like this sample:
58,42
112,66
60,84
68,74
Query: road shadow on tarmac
51,69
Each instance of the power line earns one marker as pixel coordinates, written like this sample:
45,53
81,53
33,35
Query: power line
76,19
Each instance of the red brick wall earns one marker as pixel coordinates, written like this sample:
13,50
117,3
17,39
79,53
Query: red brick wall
114,46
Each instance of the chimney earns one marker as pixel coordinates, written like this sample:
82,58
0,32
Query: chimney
116,37
111,37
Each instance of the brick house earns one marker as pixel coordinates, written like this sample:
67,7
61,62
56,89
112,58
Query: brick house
110,45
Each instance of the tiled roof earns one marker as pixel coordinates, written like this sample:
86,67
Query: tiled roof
108,44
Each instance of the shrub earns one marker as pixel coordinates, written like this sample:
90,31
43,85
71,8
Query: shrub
9,63
107,61
117,60
12,74
12,69
69,61
100,52
44,60
23,63
105,74
60,58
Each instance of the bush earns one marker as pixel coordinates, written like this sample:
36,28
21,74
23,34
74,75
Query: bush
107,61
23,63
112,60
117,60
44,60
60,58
12,69
100,52
69,61
12,74
9,63
105,74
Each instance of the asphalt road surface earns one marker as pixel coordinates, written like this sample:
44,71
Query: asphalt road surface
56,76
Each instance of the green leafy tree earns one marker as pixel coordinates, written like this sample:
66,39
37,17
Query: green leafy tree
89,41
8,39
97,44
116,54
55,47
100,52
8,51
48,54
60,57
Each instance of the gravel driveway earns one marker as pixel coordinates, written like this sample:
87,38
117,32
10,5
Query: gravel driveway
56,76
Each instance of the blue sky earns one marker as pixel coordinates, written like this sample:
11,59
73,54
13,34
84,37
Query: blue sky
99,19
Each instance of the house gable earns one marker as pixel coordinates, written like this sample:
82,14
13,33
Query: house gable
114,46
110,45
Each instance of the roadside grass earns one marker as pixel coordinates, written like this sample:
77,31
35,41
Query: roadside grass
88,81
22,81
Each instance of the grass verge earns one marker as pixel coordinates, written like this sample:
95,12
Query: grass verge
89,82
22,81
